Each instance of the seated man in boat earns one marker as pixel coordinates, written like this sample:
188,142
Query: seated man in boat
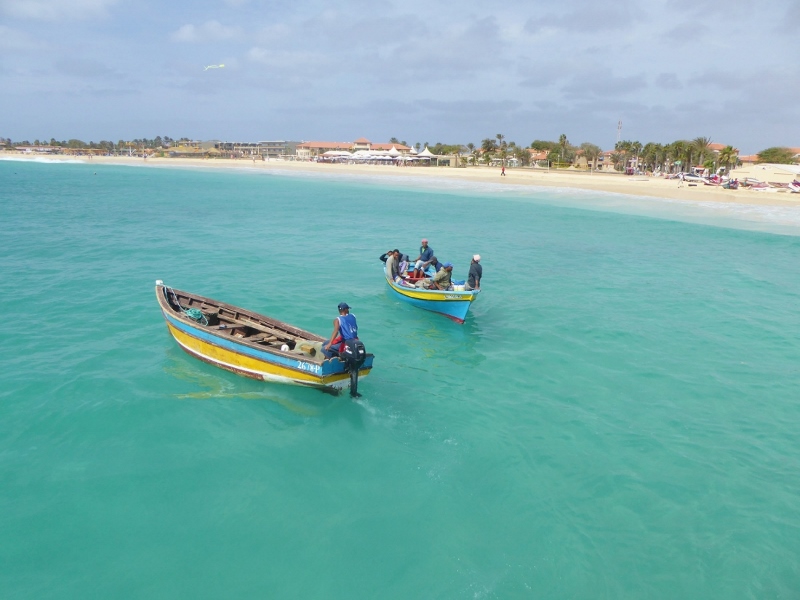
392,265
403,266
442,279
434,262
345,328
425,255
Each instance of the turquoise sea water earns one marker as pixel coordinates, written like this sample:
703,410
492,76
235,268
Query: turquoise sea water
617,418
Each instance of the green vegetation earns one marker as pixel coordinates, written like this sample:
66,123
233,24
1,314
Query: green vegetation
776,155
106,146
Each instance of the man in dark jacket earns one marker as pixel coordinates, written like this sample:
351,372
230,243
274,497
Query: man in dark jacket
475,274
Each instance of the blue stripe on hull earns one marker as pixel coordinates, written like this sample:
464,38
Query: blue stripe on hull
453,309
329,367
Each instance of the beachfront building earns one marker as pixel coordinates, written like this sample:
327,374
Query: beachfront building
278,149
314,149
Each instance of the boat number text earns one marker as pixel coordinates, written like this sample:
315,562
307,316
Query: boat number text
303,366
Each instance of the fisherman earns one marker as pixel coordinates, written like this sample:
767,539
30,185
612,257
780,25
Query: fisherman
425,255
475,274
437,266
403,261
442,280
392,269
345,328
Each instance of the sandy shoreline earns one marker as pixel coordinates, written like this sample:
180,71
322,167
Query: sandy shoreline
603,182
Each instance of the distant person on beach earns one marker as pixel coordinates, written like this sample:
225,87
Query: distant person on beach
345,328
475,274
425,255
503,171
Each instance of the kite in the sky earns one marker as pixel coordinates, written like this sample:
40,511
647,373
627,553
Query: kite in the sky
213,67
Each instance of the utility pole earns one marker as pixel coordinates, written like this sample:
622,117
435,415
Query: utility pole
619,130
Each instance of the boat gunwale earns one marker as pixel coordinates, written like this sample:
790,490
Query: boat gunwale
290,330
436,295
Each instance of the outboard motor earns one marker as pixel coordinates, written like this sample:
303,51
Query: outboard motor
353,355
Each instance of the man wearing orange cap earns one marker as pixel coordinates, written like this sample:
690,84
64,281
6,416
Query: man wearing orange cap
425,256
475,274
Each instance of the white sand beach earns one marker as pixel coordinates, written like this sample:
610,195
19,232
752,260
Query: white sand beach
605,182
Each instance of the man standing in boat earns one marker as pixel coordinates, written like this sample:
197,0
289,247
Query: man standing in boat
345,328
475,274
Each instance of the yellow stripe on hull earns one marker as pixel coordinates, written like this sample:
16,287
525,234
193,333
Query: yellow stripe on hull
429,297
261,369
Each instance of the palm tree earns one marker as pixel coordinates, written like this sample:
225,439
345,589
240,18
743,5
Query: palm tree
502,146
617,158
702,146
623,149
471,148
592,152
675,153
488,146
728,155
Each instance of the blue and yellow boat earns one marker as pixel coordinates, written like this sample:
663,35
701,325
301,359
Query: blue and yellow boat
452,304
251,344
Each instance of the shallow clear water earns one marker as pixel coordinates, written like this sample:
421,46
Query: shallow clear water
616,419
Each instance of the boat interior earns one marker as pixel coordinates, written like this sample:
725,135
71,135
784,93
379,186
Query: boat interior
244,326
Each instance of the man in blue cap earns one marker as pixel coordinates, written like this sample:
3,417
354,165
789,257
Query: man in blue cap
344,328
442,279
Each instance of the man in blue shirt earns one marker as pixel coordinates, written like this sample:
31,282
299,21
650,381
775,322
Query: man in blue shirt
425,255
344,328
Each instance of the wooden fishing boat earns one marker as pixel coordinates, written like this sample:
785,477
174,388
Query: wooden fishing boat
452,304
253,345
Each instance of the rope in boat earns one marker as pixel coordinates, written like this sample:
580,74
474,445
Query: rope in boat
195,314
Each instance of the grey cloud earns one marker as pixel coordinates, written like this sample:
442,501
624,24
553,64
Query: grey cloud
731,82
688,33
544,73
668,81
592,18
791,21
603,84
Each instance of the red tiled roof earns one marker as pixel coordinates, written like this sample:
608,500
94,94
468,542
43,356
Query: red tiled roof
716,146
362,141
749,158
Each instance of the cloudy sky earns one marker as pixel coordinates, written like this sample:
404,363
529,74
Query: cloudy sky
421,71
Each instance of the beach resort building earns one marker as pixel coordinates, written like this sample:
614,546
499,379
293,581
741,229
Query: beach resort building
313,149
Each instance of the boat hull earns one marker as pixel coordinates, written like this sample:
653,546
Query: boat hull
452,304
248,360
